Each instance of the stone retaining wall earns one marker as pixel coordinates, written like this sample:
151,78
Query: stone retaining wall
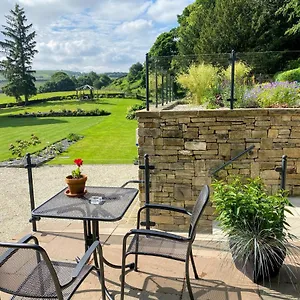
186,146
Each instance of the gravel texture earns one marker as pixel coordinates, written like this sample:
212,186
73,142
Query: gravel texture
48,180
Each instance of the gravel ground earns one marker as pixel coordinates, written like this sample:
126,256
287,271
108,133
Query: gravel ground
48,180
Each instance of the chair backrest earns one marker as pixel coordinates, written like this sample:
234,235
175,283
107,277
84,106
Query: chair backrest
25,270
197,210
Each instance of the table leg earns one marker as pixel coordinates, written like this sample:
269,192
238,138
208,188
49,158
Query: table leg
95,229
88,236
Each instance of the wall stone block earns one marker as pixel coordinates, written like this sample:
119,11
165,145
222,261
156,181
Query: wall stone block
186,146
195,145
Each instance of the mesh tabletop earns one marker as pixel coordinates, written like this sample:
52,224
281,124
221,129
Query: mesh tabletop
99,203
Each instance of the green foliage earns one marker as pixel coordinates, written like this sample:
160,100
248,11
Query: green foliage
274,94
20,146
209,27
73,137
290,75
103,141
165,44
19,46
135,72
244,202
60,81
241,72
201,80
124,85
63,113
254,221
102,81
291,9
132,110
241,77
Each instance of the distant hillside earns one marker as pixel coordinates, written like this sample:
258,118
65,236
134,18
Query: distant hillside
115,75
44,75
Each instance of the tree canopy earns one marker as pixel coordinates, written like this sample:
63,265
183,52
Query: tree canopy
19,47
218,26
135,72
60,81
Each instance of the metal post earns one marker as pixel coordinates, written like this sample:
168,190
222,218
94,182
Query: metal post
147,82
232,99
147,189
283,172
156,87
162,88
31,193
168,87
147,169
172,88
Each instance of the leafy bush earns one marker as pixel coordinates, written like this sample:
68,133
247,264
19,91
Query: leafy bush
64,113
201,80
245,202
73,137
255,223
274,94
131,111
290,75
18,149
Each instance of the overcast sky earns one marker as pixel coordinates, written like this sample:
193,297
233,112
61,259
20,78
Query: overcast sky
98,35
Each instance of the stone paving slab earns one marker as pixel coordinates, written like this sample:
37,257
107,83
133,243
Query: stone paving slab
160,278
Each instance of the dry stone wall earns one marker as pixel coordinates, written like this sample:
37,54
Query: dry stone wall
185,146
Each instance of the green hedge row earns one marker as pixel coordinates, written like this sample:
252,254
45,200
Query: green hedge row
70,97
64,113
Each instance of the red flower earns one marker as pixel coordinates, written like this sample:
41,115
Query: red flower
78,162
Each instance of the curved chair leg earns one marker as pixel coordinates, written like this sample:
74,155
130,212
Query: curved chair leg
187,276
194,265
136,253
123,267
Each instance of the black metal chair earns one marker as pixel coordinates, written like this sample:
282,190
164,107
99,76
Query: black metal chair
164,244
26,271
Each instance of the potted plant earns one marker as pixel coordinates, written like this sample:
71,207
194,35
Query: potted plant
76,181
255,224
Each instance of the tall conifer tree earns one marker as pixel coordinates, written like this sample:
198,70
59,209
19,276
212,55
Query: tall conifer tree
19,47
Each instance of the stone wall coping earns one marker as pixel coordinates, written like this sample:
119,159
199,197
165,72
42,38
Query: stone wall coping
194,111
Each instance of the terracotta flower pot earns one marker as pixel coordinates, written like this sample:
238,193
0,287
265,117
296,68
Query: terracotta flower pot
76,185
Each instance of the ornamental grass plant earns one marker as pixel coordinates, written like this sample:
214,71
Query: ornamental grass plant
255,224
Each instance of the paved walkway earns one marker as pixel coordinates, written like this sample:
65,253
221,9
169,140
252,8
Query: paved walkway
161,278
158,278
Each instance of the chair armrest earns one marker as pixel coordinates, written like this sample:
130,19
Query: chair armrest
132,181
27,238
157,233
85,258
9,252
165,207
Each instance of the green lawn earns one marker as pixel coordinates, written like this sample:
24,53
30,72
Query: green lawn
107,139
8,99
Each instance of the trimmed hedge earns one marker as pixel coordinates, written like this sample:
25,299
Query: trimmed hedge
70,97
290,75
63,113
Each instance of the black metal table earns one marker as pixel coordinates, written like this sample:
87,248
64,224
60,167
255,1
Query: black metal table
107,204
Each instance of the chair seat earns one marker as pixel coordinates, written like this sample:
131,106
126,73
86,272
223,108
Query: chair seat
158,246
64,273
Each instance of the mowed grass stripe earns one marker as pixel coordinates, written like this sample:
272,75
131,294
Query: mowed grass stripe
49,130
108,142
107,139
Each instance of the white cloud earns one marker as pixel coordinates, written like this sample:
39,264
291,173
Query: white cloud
106,35
134,27
164,11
